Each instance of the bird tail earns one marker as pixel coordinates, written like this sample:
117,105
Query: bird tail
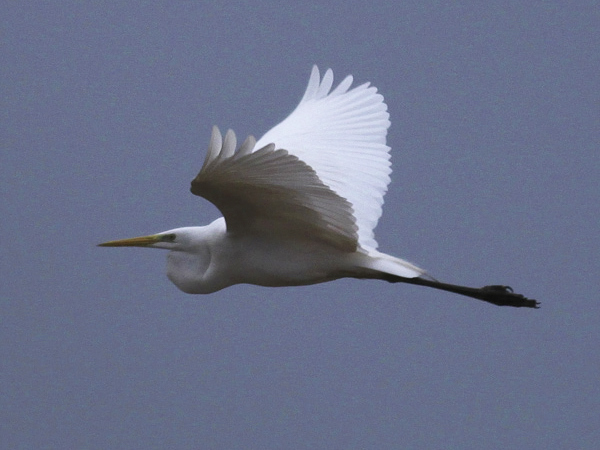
390,268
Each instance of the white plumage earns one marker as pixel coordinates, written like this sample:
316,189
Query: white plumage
300,204
342,135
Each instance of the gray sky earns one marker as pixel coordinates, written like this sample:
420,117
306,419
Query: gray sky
106,114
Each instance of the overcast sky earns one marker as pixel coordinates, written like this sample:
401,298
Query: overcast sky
106,114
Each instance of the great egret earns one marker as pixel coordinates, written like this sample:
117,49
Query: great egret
299,205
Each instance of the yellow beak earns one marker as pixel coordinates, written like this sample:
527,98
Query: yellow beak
143,241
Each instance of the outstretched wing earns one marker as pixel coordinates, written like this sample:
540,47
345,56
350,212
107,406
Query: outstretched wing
341,135
269,191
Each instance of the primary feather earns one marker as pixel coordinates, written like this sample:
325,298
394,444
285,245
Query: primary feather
323,171
341,135
270,192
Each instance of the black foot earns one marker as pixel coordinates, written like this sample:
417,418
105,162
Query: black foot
505,296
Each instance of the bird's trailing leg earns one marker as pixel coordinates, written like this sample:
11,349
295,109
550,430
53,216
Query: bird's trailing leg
495,294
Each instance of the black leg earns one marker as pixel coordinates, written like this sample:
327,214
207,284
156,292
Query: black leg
495,294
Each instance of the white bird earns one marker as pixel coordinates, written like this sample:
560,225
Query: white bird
299,205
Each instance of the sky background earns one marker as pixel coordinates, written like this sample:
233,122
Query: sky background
106,113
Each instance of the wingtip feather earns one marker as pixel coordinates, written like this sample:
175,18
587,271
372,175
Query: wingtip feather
247,147
229,145
214,146
313,84
325,85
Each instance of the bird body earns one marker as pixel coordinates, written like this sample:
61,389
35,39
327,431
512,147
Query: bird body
300,204
207,259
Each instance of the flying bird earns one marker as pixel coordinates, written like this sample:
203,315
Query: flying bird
300,204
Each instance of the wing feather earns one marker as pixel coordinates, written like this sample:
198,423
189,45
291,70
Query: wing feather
341,136
269,191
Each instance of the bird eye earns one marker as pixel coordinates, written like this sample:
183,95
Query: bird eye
168,237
